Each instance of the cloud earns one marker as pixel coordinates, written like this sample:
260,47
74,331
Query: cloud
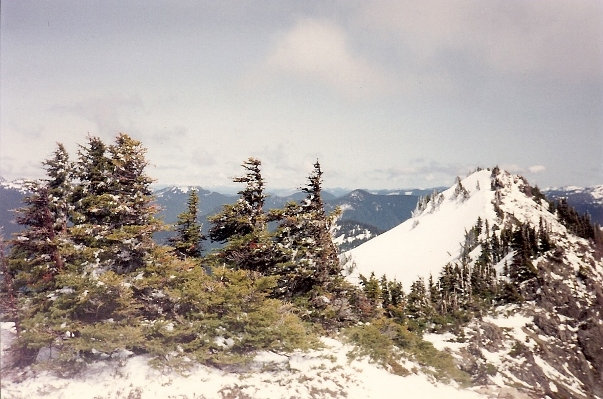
515,168
554,39
419,171
109,113
536,168
319,50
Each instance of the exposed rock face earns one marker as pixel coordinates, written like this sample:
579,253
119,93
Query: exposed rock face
549,346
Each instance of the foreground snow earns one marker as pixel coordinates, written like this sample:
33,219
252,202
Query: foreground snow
314,374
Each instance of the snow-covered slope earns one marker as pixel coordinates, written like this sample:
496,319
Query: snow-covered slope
424,244
324,373
549,343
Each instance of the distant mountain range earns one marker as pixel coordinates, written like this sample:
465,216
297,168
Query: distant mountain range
11,196
584,199
361,210
365,214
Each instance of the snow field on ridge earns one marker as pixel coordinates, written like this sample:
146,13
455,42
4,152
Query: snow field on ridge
319,373
422,245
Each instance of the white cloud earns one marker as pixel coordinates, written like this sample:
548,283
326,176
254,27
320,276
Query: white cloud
555,39
537,168
318,49
513,168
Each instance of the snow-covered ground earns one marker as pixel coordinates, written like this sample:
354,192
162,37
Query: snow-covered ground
324,373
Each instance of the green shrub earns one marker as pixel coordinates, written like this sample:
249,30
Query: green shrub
224,318
386,342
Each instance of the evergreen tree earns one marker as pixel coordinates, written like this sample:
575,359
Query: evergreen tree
417,301
35,257
133,221
385,294
319,226
37,249
92,174
396,292
495,248
243,226
434,293
304,237
372,289
187,242
59,172
460,191
246,215
544,240
35,264
521,268
113,202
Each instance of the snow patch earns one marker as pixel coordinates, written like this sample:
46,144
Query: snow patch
325,372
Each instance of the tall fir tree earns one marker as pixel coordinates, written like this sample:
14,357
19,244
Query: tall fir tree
35,265
92,174
305,239
59,172
417,303
521,268
35,256
187,241
243,225
114,213
132,222
319,228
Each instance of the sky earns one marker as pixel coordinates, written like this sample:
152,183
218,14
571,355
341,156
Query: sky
385,94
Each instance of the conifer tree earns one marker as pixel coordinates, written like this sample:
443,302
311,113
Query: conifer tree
417,302
305,241
521,268
187,242
372,289
544,240
434,293
385,294
60,187
35,265
243,225
114,214
35,258
92,174
319,228
37,249
132,221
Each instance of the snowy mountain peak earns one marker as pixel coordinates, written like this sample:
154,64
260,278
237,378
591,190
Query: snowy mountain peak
551,312
179,190
432,238
19,185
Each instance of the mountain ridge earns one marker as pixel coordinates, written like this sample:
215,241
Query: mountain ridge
556,312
